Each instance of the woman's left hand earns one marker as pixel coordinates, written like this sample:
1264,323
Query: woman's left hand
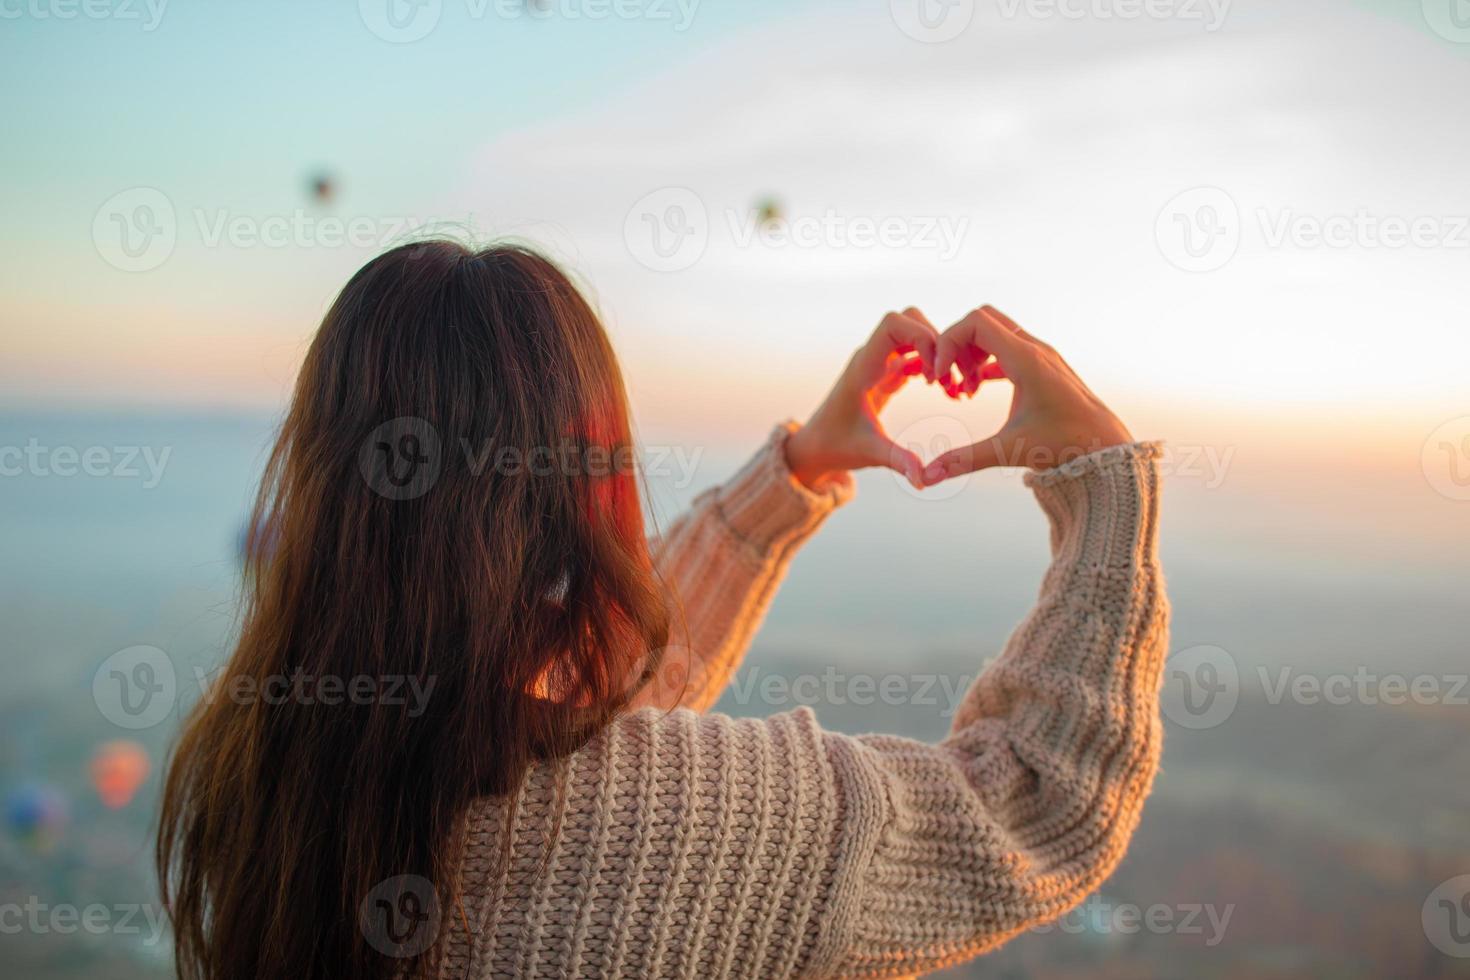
844,433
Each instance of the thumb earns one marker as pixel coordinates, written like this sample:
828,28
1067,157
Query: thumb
984,454
887,453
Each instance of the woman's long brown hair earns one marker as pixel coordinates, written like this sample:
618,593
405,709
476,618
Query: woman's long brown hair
449,509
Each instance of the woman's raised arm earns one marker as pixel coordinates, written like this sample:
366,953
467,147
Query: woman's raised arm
1029,804
723,560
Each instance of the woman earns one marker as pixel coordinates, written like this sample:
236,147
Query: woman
450,512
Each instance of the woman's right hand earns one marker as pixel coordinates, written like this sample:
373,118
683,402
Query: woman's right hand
845,433
1054,417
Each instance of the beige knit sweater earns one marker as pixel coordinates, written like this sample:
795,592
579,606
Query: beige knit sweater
680,844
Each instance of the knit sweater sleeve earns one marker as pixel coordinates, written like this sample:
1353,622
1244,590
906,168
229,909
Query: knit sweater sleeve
721,563
1028,805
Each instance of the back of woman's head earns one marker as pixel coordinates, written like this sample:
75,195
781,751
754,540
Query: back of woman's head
447,582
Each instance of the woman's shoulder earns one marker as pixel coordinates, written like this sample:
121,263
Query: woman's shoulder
656,759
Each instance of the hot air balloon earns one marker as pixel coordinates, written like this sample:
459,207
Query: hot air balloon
323,187
768,211
36,815
118,769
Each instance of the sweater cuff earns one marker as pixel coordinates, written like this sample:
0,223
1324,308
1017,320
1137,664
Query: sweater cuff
768,507
1102,506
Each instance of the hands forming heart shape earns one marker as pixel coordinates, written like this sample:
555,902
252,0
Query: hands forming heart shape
1053,416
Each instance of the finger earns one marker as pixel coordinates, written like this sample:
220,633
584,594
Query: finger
914,313
968,459
950,347
965,358
968,360
1013,326
944,358
898,332
899,460
982,329
1050,352
900,369
987,328
903,334
949,384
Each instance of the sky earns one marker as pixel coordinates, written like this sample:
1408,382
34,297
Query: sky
1198,206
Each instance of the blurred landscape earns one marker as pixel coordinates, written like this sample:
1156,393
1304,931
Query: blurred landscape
1244,222
1313,833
